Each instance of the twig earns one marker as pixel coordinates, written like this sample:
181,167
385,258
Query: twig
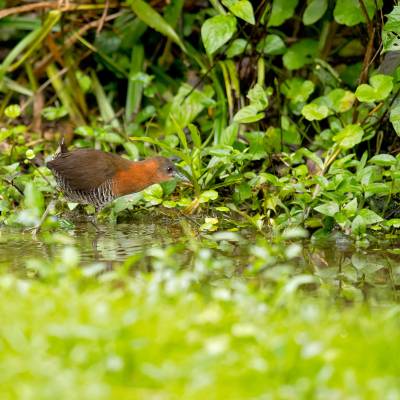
11,183
368,54
103,17
43,5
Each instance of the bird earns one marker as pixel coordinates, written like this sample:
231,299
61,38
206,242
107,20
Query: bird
89,176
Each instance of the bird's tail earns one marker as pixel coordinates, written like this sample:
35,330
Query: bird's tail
63,146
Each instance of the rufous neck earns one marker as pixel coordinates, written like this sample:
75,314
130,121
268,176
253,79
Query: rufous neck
136,177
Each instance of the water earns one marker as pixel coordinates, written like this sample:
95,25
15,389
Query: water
113,243
347,270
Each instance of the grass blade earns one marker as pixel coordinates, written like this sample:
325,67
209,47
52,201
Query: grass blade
153,19
135,88
106,111
64,95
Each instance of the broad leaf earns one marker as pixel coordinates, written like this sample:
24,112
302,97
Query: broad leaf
350,136
297,89
348,12
241,8
395,118
248,114
379,88
216,31
184,109
314,11
237,47
341,100
383,160
369,217
300,54
314,111
271,45
330,208
281,11
258,97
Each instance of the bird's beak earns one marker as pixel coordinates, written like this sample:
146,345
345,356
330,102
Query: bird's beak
181,177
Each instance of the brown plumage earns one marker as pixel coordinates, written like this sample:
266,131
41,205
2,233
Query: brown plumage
96,177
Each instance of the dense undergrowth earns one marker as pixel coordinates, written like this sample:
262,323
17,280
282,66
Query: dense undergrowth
282,113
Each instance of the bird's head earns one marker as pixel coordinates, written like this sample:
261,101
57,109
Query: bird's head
166,170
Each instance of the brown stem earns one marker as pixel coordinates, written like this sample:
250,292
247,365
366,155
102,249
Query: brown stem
364,72
103,17
43,5
368,54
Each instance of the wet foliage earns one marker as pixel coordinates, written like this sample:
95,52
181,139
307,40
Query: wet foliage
284,114
275,275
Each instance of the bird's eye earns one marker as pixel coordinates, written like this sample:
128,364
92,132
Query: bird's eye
170,170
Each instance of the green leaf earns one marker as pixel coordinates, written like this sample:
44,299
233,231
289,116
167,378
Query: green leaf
341,100
153,19
258,97
358,225
314,11
216,31
281,11
312,156
350,136
379,88
13,111
241,8
33,198
257,146
351,207
348,12
84,81
369,217
271,45
195,134
390,42
301,53
314,112
395,117
395,222
297,89
184,109
382,189
258,102
248,114
229,134
5,133
393,20
110,137
236,48
383,160
153,194
208,195
53,113
106,109
330,208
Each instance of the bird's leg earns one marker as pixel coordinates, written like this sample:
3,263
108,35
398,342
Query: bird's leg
93,218
35,230
93,221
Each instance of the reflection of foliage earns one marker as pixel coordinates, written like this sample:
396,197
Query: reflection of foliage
137,334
